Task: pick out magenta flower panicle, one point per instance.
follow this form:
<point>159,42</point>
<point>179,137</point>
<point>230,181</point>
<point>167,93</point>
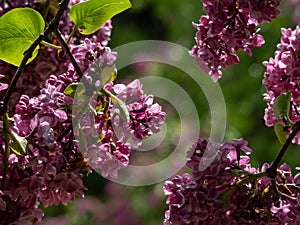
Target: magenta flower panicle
<point>227,27</point>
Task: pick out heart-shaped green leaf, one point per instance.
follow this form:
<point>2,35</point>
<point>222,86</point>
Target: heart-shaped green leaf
<point>18,30</point>
<point>90,16</point>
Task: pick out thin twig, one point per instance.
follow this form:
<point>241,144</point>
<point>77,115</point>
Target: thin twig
<point>7,150</point>
<point>272,171</point>
<point>251,177</point>
<point>66,131</point>
<point>66,49</point>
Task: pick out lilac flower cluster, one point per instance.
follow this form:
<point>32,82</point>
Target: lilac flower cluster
<point>50,174</point>
<point>282,76</point>
<point>146,118</point>
<point>118,136</point>
<point>219,193</point>
<point>229,26</point>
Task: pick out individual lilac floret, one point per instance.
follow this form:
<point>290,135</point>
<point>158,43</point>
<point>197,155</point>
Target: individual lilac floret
<point>146,117</point>
<point>215,194</point>
<point>282,76</point>
<point>228,27</point>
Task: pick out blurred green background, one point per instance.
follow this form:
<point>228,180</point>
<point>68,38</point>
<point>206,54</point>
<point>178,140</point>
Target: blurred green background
<point>112,204</point>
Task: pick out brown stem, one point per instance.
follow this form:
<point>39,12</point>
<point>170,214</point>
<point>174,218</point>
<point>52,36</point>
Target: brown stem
<point>66,49</point>
<point>272,171</point>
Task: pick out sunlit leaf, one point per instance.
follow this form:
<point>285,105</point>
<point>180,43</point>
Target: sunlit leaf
<point>90,16</point>
<point>18,30</point>
<point>73,88</point>
<point>108,74</point>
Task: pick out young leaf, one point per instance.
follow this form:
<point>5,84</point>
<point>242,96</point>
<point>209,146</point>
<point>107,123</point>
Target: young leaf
<point>280,133</point>
<point>72,88</point>
<point>89,16</point>
<point>108,74</point>
<point>19,144</point>
<point>282,105</point>
<point>18,30</point>
<point>121,109</point>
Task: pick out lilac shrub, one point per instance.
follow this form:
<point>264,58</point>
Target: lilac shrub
<point>64,119</point>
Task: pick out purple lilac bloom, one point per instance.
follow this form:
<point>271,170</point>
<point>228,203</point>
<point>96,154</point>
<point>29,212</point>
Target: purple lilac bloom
<point>212,195</point>
<point>117,135</point>
<point>228,27</point>
<point>146,117</point>
<point>282,76</point>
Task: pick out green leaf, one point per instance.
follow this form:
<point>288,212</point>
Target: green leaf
<point>72,88</point>
<point>280,133</point>
<point>18,30</point>
<point>90,16</point>
<point>121,109</point>
<point>101,136</point>
<point>108,74</point>
<point>19,144</point>
<point>282,105</point>
<point>99,107</point>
